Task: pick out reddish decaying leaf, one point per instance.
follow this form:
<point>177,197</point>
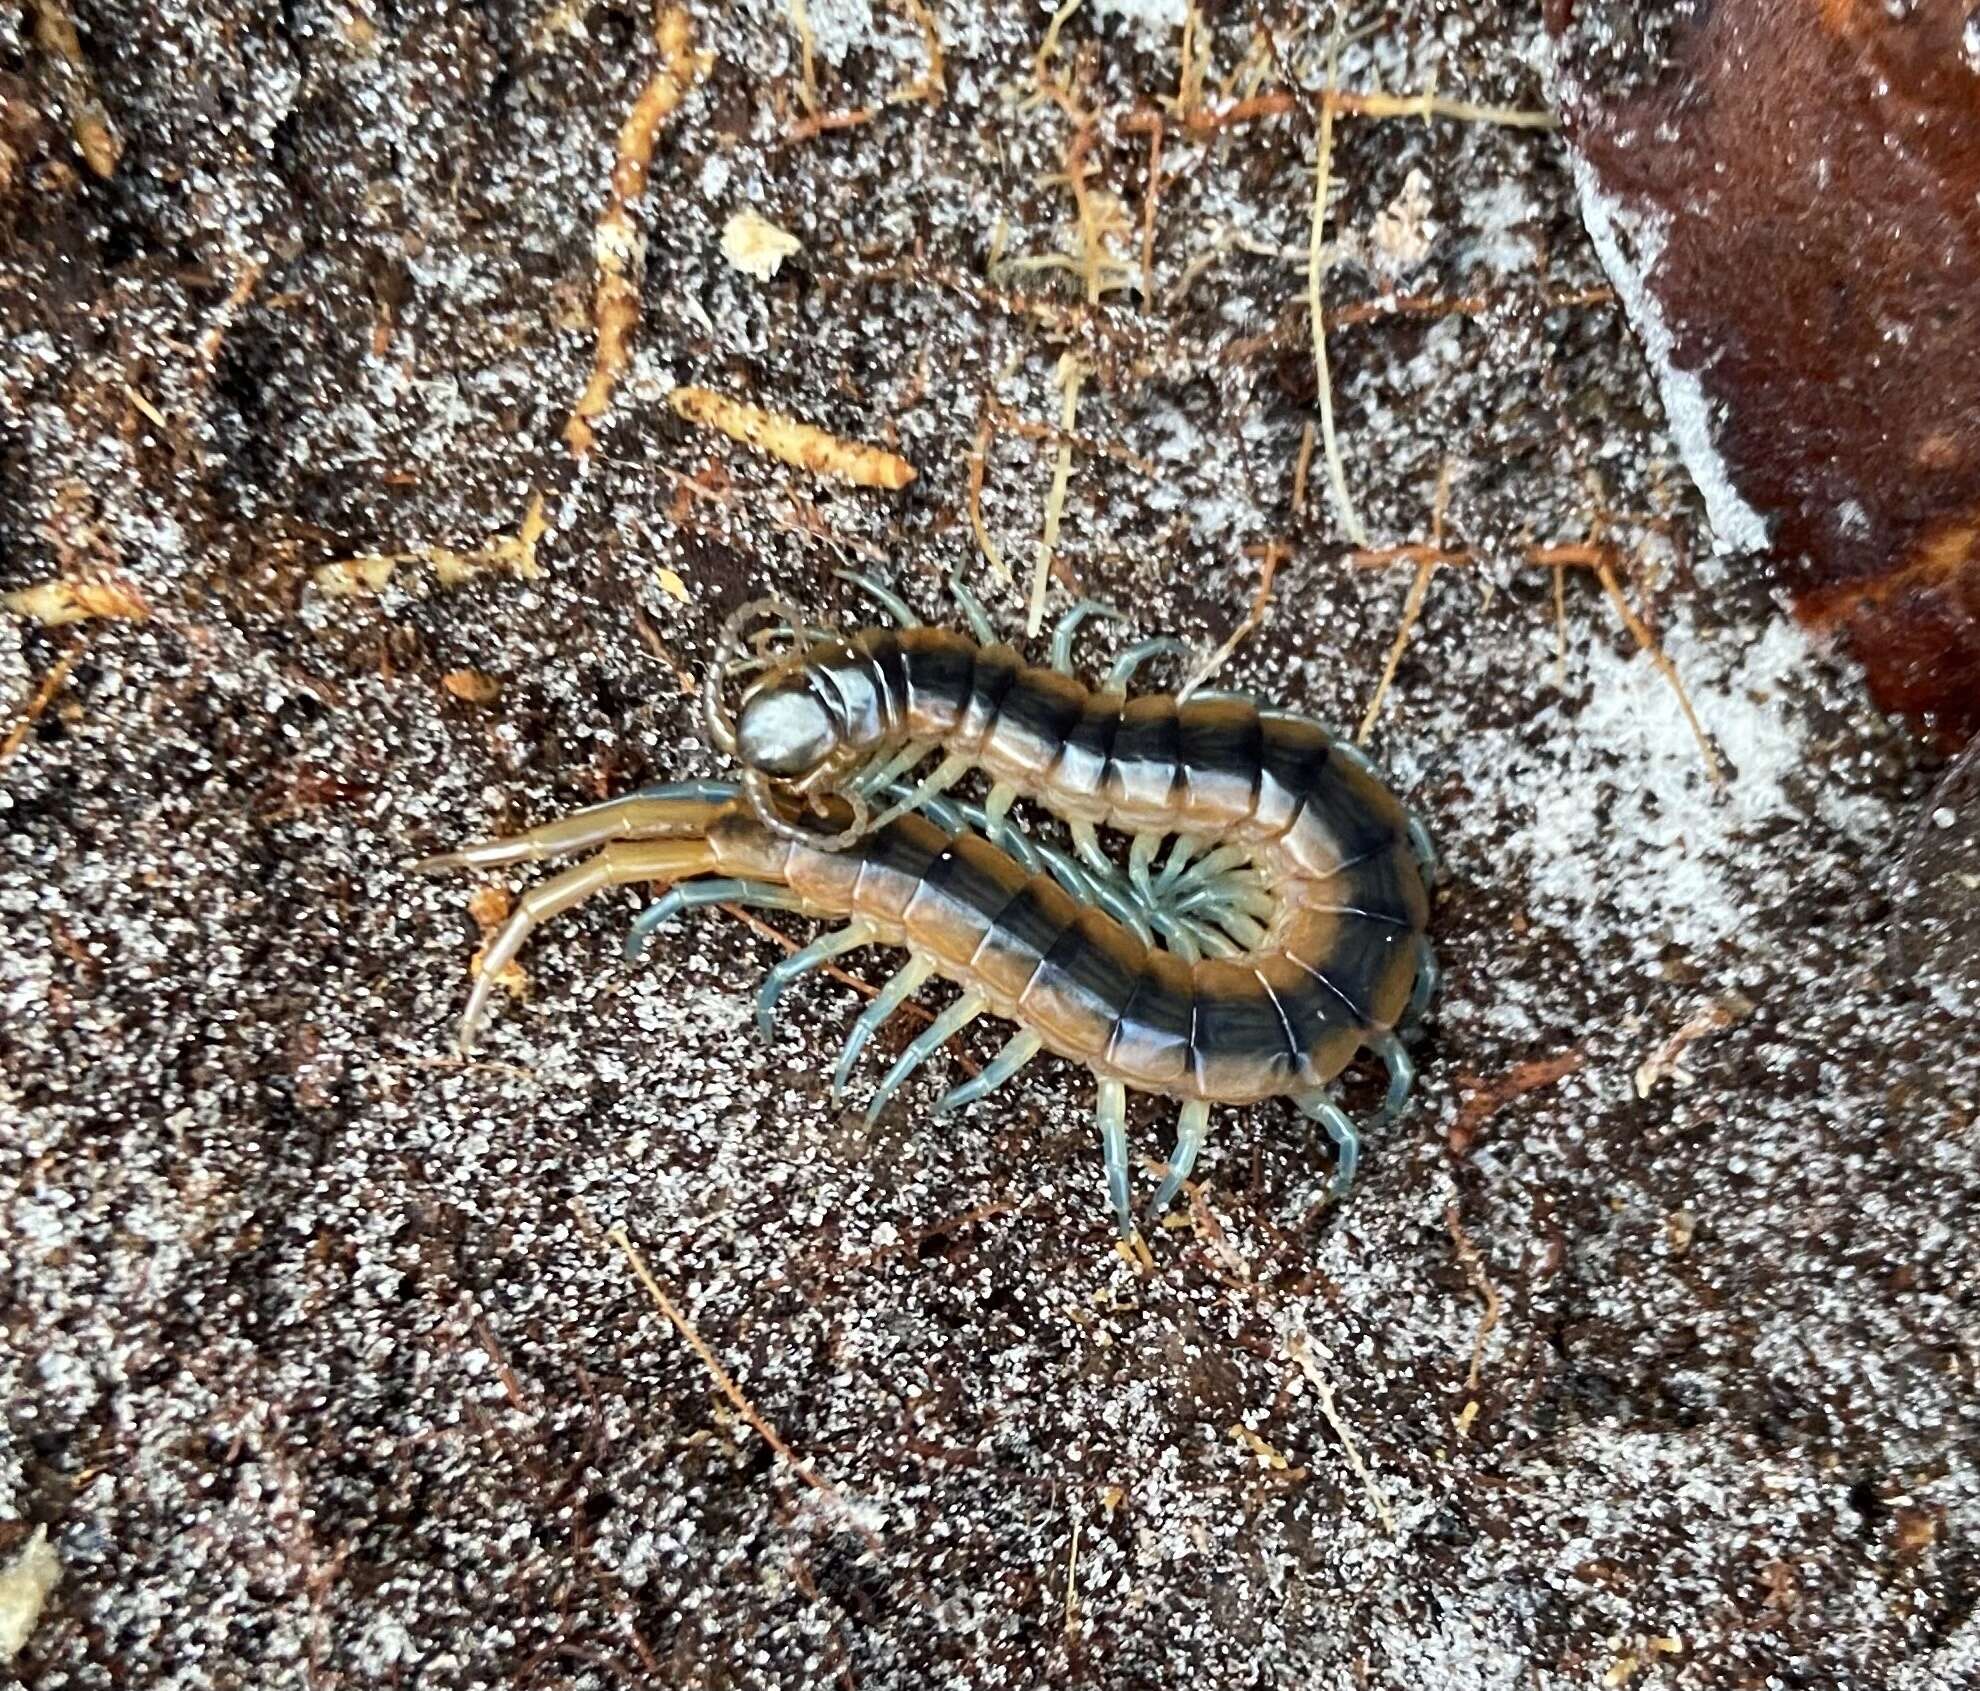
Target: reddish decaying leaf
<point>1789,194</point>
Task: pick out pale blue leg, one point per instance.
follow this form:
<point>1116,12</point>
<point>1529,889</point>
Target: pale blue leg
<point>1135,656</point>
<point>1020,1049</point>
<point>1317,1106</point>
<point>1429,973</point>
<point>888,600</point>
<point>996,806</point>
<point>924,1045</point>
<point>821,950</point>
<point>1192,1128</point>
<point>1211,867</point>
<point>878,776</point>
<point>905,984</point>
<point>1425,849</point>
<point>973,612</point>
<point>1186,846</point>
<point>1140,854</point>
<point>1185,939</point>
<point>1402,1077</point>
<point>694,895</point>
<point>1248,932</point>
<point>1111,1112</point>
<point>1062,636</point>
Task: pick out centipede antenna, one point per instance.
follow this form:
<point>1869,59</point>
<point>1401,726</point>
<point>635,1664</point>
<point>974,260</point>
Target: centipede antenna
<point>1124,666</point>
<point>1192,1128</point>
<point>1317,1106</point>
<point>924,1045</point>
<point>1068,626</point>
<point>1018,1051</point>
<point>972,610</point>
<point>885,597</point>
<point>907,981</point>
<point>1402,1077</point>
<point>1110,1110</point>
<point>697,895</point>
<point>821,950</point>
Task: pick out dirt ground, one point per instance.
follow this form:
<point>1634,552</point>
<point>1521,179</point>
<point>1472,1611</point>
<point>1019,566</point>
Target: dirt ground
<point>1643,1353</point>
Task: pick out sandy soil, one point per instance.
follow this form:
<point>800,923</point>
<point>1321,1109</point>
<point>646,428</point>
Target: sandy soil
<point>1644,1352</point>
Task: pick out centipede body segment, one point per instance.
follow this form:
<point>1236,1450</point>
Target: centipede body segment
<point>1266,925</point>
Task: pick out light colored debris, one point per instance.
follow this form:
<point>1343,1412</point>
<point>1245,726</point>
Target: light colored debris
<point>1667,1062</point>
<point>1402,234</point>
<point>1316,270</point>
<point>96,139</point>
<point>1069,376</point>
<point>489,907</point>
<point>931,87</point>
<point>472,685</point>
<point>979,460</point>
<point>797,444</point>
<point>618,247</point>
<point>756,246</point>
<point>25,1583</point>
<point>54,604</point>
<point>1488,1296</point>
<point>372,572</point>
<point>1301,1352</point>
<point>672,585</point>
<point>1266,1454</point>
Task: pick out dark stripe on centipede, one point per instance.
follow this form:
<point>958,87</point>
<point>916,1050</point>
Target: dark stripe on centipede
<point>1356,830</point>
<point>1361,956</point>
<point>1089,747</point>
<point>1043,706</point>
<point>901,853</point>
<point>888,665</point>
<point>967,883</point>
<point>1384,887</point>
<point>938,673</point>
<point>993,671</point>
<point>1218,744</point>
<point>1154,1016</point>
<point>1291,756</point>
<point>1145,746</point>
<point>1089,966</point>
<point>1239,1027</point>
<point>1033,922</point>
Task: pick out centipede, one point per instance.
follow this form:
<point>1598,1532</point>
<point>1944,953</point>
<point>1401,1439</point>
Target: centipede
<point>1260,925</point>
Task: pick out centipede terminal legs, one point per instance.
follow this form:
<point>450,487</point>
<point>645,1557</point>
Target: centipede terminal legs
<point>973,611</point>
<point>1131,659</point>
<point>889,601</point>
<point>1402,1078</point>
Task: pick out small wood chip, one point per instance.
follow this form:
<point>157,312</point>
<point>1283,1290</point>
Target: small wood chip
<point>25,1583</point>
<point>472,685</point>
<point>798,444</point>
<point>756,246</point>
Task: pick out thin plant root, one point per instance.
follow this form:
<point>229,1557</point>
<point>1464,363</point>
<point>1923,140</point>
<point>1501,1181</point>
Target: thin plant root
<point>618,246</point>
<point>1070,376</point>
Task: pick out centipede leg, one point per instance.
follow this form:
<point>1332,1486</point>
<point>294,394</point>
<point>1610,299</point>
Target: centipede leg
<point>1062,636</point>
<point>924,1045</point>
<point>1135,656</point>
<point>906,983</point>
<point>697,895</point>
<point>1402,1077</point>
<point>1111,1112</point>
<point>996,806</point>
<point>1141,853</point>
<point>888,600</point>
<point>973,612</point>
<point>1192,1128</point>
<point>1425,849</point>
<point>821,950</point>
<point>1429,973</point>
<point>1018,1051</point>
<point>1317,1106</point>
<point>617,864</point>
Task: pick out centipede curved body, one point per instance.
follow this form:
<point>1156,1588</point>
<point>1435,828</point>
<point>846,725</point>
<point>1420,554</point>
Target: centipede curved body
<point>1293,866</point>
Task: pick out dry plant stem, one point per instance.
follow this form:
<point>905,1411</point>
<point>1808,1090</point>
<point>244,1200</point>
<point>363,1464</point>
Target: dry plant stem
<point>1482,1101</point>
<point>979,461</point>
<point>1270,556</point>
<point>1474,1267</point>
<point>618,247</point>
<point>1301,465</point>
<point>1309,1365</point>
<point>96,139</point>
<point>1070,376</point>
<point>1412,609</point>
<point>1148,214</point>
<point>44,696</point>
<point>1427,106</point>
<point>1606,574</point>
<point>1323,385</point>
<point>729,1389</point>
<point>798,444</point>
<point>807,58</point>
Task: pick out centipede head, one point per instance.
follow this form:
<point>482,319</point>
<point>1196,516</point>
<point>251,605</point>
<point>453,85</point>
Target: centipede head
<point>788,730</point>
